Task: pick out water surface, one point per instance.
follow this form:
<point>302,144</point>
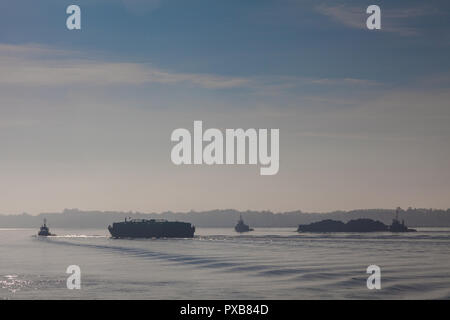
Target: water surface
<point>269,263</point>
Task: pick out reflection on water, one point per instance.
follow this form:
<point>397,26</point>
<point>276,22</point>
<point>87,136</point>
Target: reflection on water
<point>269,263</point>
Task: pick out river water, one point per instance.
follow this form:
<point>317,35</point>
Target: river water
<point>269,263</point>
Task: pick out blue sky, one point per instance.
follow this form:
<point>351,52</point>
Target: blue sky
<point>284,37</point>
<point>86,116</point>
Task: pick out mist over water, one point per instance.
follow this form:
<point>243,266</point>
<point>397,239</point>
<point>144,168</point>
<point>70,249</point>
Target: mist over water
<point>269,263</point>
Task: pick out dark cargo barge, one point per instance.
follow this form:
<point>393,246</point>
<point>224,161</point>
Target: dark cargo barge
<point>142,228</point>
<point>358,225</point>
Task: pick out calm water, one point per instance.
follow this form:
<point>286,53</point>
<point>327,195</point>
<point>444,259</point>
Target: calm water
<point>269,263</point>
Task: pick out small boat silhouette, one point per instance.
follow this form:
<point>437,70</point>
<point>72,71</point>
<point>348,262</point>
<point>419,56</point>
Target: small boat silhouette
<point>241,226</point>
<point>45,231</point>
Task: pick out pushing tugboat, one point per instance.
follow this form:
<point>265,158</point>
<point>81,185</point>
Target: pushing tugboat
<point>142,228</point>
<point>45,231</point>
<point>396,226</point>
<point>241,226</point>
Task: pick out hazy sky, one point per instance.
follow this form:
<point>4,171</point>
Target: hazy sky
<point>86,116</point>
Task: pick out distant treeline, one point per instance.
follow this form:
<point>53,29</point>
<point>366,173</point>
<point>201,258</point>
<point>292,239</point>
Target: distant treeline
<point>74,218</point>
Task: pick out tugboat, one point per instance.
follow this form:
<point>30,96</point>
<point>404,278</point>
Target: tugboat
<point>153,228</point>
<point>396,226</point>
<point>45,231</point>
<point>241,226</point>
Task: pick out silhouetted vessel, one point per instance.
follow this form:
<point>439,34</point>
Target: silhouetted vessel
<point>396,226</point>
<point>45,231</point>
<point>358,225</point>
<point>241,226</point>
<point>142,228</point>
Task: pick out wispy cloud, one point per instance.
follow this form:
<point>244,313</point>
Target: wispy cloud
<point>393,20</point>
<point>344,81</point>
<point>33,65</point>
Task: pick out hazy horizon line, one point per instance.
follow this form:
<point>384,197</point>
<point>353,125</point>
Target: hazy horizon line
<point>68,210</point>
